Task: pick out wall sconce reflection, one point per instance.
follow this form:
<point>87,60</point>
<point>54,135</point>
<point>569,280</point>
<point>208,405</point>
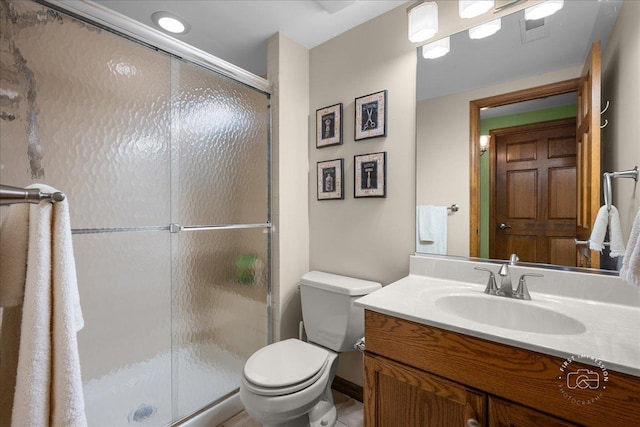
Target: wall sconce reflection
<point>484,143</point>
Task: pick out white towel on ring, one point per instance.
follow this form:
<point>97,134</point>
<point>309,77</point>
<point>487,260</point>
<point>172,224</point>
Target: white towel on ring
<point>616,248</point>
<point>607,219</point>
<point>630,270</point>
<point>599,230</point>
<point>48,387</point>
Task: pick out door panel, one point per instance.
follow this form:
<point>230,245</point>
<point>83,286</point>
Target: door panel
<point>562,193</point>
<point>508,414</point>
<point>534,192</point>
<point>522,194</point>
<point>401,396</point>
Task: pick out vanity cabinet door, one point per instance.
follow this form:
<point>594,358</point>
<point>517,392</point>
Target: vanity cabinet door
<point>508,414</point>
<point>397,395</point>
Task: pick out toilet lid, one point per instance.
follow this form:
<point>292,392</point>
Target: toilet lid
<point>285,363</point>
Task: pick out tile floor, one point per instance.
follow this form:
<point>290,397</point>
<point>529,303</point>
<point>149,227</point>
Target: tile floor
<point>349,414</point>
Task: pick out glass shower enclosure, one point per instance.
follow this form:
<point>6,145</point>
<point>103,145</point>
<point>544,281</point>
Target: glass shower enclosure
<point>166,167</point>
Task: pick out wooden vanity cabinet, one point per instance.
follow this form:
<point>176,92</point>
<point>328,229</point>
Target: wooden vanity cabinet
<point>507,414</point>
<point>405,396</point>
<point>423,376</point>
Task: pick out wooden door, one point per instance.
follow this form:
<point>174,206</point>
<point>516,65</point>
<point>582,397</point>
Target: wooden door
<point>508,414</point>
<point>533,192</point>
<point>397,395</point>
<point>588,156</point>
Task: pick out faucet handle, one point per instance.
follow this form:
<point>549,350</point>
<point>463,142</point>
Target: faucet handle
<point>522,292</point>
<point>491,287</point>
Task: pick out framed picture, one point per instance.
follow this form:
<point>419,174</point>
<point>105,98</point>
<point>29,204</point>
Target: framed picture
<point>330,180</point>
<point>370,175</point>
<point>329,126</point>
<point>371,116</point>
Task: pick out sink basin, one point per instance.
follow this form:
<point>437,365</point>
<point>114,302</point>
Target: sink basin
<point>510,314</point>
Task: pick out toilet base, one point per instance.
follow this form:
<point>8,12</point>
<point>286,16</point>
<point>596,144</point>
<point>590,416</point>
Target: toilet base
<point>324,414</point>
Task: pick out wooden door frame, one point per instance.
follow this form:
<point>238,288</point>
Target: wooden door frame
<point>544,91</point>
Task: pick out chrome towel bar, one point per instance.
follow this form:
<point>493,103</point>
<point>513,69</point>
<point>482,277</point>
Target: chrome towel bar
<point>10,195</point>
<point>633,173</point>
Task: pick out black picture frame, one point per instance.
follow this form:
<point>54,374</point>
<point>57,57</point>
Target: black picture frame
<point>329,126</point>
<point>370,175</point>
<point>371,116</point>
<point>330,179</point>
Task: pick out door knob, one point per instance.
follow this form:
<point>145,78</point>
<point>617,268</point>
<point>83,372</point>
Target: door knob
<point>503,226</point>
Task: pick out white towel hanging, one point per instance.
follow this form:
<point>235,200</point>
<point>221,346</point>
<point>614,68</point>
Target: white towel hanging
<point>630,270</point>
<point>48,385</point>
<point>431,230</point>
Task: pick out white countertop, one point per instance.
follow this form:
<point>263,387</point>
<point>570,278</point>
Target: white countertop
<point>612,333</point>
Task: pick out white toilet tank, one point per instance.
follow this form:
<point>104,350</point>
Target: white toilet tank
<point>330,318</point>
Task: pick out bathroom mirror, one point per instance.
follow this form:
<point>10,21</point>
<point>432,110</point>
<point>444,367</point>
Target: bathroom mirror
<point>521,55</point>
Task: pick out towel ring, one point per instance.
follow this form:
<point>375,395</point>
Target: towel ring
<point>632,173</point>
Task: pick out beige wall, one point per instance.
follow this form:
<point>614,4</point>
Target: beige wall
<point>621,137</point>
<point>288,69</point>
<point>365,238</point>
<point>442,151</point>
<point>369,238</point>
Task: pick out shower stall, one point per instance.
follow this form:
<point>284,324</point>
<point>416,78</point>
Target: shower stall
<point>166,166</point>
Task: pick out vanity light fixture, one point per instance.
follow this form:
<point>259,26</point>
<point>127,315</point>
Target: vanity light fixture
<point>170,22</point>
<point>473,8</point>
<point>485,30</point>
<point>484,143</point>
<point>436,49</point>
<point>542,10</point>
<point>423,20</point>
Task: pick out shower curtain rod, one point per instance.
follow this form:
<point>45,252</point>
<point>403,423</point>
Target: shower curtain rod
<point>10,195</point>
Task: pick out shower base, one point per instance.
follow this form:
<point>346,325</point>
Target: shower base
<point>143,393</point>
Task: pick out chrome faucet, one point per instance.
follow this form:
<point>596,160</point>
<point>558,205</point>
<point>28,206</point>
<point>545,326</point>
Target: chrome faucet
<point>491,288</point>
<point>506,289</point>
<point>522,292</point>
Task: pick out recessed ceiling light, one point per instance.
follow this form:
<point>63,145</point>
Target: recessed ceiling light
<point>170,22</point>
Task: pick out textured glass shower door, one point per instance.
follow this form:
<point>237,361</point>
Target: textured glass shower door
<point>140,142</point>
<point>220,244</point>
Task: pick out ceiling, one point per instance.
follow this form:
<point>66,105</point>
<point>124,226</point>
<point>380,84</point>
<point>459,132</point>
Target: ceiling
<point>237,30</point>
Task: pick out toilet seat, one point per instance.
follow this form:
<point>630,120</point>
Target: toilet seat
<point>284,367</point>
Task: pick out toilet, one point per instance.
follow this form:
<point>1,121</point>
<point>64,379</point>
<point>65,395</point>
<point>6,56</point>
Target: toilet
<point>288,383</point>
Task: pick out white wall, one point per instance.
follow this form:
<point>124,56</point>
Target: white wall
<point>288,69</point>
<point>621,86</point>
